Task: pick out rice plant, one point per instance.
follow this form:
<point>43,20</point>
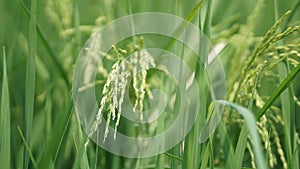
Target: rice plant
<point>258,43</point>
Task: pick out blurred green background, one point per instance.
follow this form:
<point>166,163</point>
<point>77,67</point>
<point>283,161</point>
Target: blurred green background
<point>63,27</point>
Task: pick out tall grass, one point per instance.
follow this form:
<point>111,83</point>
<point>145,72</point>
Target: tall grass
<point>5,124</point>
<point>39,127</point>
<point>30,80</point>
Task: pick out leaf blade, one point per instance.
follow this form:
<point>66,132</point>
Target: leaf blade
<point>30,80</point>
<point>283,85</point>
<point>5,120</point>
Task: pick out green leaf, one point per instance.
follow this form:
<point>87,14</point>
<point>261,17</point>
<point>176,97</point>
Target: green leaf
<point>283,85</point>
<point>288,109</point>
<point>43,37</point>
<point>28,149</point>
<point>242,140</point>
<point>241,145</point>
<point>81,142</point>
<point>30,80</point>
<point>205,158</point>
<point>5,120</point>
<point>227,146</point>
<point>251,125</point>
<point>54,141</point>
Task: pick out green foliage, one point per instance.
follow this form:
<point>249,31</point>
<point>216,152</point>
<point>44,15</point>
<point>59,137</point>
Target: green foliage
<point>28,151</point>
<point>282,86</point>
<point>261,58</point>
<point>30,79</point>
<point>5,117</point>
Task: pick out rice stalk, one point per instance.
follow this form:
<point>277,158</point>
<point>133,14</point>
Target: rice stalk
<point>282,86</point>
<point>254,136</point>
<point>5,118</point>
<point>30,80</point>
<point>27,148</point>
<point>46,42</point>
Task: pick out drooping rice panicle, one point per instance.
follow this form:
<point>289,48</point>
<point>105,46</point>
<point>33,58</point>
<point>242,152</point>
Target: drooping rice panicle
<point>142,61</point>
<point>112,95</point>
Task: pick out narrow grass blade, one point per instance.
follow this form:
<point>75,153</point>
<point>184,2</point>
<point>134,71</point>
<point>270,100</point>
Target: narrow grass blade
<point>5,120</point>
<point>81,160</point>
<point>54,141</point>
<point>30,80</point>
<point>131,22</point>
<point>288,109</point>
<point>192,149</point>
<point>194,11</point>
<point>207,22</point>
<point>294,11</point>
<point>212,159</point>
<point>42,35</point>
<point>283,85</point>
<point>188,19</point>
<point>160,159</point>
<point>241,145</point>
<point>242,140</point>
<point>96,156</point>
<point>205,157</point>
<point>287,101</point>
<point>227,146</point>
<point>251,125</point>
<point>173,156</point>
<point>28,149</point>
<point>188,160</point>
<point>77,25</point>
